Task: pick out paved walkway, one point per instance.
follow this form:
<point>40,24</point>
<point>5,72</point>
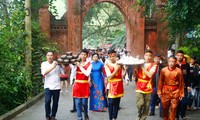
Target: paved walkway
<point>128,111</point>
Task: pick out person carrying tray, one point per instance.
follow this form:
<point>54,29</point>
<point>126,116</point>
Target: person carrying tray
<point>144,74</point>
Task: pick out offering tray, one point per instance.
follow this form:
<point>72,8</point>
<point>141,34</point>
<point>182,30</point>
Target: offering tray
<point>131,61</point>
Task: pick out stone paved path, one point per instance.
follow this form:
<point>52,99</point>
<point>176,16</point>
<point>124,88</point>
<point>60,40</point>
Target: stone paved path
<point>128,111</point>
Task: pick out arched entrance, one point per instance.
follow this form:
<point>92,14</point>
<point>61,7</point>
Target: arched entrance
<point>140,30</point>
<point>133,19</point>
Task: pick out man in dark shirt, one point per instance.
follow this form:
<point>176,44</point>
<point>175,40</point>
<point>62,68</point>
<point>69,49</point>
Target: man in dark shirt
<point>182,107</point>
<point>154,96</point>
<point>194,71</point>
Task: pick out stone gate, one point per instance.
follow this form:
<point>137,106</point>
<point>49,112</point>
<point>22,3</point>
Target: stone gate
<point>140,30</point>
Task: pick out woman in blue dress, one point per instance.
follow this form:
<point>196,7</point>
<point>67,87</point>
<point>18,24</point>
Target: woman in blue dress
<point>98,101</point>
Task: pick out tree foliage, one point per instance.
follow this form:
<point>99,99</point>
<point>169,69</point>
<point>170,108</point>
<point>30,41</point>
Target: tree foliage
<point>183,15</point>
<point>13,82</point>
<point>191,44</point>
<point>148,4</point>
<point>36,4</point>
<point>103,24</point>
<point>183,18</point>
<point>14,86</point>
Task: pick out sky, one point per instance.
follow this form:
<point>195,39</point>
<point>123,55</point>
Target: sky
<point>61,7</point>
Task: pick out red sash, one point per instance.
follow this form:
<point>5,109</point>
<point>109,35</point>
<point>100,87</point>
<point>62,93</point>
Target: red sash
<point>81,86</point>
<point>144,83</point>
<point>116,84</point>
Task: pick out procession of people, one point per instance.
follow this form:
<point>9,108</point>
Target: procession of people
<point>97,82</point>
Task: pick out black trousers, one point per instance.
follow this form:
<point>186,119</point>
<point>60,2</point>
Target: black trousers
<point>182,106</point>
<point>113,107</point>
<point>130,72</point>
<point>74,106</point>
<point>49,94</point>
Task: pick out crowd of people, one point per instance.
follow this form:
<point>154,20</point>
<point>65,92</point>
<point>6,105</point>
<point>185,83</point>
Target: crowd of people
<point>173,86</point>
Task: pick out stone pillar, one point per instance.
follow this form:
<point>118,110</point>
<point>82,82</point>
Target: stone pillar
<point>74,26</point>
<point>44,20</point>
<point>135,34</point>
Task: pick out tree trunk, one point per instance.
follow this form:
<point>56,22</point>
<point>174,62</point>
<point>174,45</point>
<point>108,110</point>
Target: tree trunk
<point>177,41</point>
<point>28,55</point>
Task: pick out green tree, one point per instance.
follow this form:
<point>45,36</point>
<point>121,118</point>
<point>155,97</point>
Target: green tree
<point>13,82</point>
<point>37,4</point>
<point>103,24</point>
<point>14,86</point>
<point>183,17</point>
<point>191,44</point>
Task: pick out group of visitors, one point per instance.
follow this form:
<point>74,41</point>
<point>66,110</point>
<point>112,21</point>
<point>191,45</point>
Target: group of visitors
<point>177,87</point>
<point>98,76</point>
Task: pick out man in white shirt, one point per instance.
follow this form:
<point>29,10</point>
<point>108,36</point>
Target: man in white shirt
<point>51,73</point>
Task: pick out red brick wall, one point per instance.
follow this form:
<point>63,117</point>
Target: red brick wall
<point>44,20</point>
<point>61,38</point>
